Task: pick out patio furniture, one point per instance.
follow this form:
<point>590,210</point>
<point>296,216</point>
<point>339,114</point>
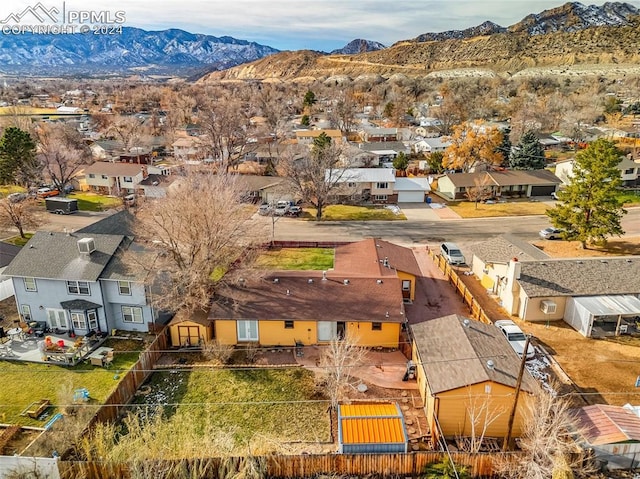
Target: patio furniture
<point>101,357</point>
<point>14,333</point>
<point>36,408</point>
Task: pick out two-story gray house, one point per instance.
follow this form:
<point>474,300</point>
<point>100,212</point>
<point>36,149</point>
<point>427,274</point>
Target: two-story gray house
<point>82,282</point>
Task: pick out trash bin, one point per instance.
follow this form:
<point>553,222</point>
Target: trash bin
<point>428,200</point>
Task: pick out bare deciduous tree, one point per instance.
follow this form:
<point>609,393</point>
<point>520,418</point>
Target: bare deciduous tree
<point>546,443</point>
<point>203,230</point>
<point>314,174</point>
<point>481,190</point>
<point>481,413</point>
<point>338,361</point>
<point>18,215</point>
<point>62,153</point>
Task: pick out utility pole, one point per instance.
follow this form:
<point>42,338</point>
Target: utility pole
<point>507,439</point>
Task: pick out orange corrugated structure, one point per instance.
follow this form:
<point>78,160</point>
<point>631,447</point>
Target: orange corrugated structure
<point>371,427</point>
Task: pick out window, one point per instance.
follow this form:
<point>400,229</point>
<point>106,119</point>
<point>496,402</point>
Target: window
<point>288,325</point>
<point>92,317</point>
<point>131,314</point>
<point>629,171</point>
<point>105,177</point>
<point>382,185</point>
<point>351,184</point>
<point>78,321</point>
<point>376,326</point>
<point>78,287</point>
<point>30,284</point>
<point>406,285</point>
<point>92,175</point>
<point>57,318</point>
<point>25,311</point>
<point>380,197</point>
<point>124,288</point>
<point>127,179</point>
<point>247,330</point>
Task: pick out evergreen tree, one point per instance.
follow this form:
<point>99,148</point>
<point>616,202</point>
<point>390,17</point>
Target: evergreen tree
<point>505,147</point>
<point>528,154</point>
<point>309,99</point>
<point>589,209</point>
<point>18,162</point>
<point>401,162</point>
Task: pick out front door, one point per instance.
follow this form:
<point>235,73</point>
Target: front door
<point>188,335</point>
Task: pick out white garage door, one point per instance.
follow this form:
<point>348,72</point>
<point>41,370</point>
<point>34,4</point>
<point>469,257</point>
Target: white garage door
<point>410,196</point>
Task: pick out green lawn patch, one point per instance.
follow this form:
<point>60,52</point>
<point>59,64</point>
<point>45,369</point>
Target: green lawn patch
<point>24,383</point>
<point>354,213</point>
<point>297,258</point>
<point>95,202</point>
<point>249,403</point>
<point>629,198</point>
<point>19,240</point>
<point>6,190</point>
<point>467,209</point>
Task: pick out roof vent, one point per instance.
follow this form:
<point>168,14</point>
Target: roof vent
<point>386,262</point>
<point>629,260</point>
<point>466,323</point>
<point>288,293</point>
<point>578,262</point>
<point>86,245</point>
<point>603,261</point>
<point>310,280</point>
<point>386,315</point>
<point>276,280</point>
<point>324,276</point>
<point>345,281</point>
<point>379,281</point>
<point>491,365</point>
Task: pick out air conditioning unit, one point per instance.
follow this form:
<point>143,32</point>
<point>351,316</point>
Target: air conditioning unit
<point>86,245</point>
<point>548,307</point>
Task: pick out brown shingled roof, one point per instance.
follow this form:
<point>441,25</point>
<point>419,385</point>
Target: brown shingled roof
<point>603,424</point>
<point>327,300</point>
<point>366,258</point>
<point>455,355</point>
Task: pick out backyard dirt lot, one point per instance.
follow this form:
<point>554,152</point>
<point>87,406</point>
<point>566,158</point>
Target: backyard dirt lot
<point>603,371</point>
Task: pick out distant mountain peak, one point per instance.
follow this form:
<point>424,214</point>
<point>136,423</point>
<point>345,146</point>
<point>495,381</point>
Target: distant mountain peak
<point>171,51</point>
<point>359,45</point>
<point>485,28</point>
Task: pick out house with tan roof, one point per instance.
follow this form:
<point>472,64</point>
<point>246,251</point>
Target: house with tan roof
<point>306,137</point>
<point>505,184</point>
<point>363,297</point>
<point>596,296</point>
<point>467,373</point>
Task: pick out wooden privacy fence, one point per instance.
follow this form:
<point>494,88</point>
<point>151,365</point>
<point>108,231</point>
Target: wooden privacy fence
<point>476,311</point>
<point>289,467</point>
<point>131,381</point>
<point>306,244</point>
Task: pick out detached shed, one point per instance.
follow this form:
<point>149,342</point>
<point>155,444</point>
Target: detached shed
<point>190,329</point>
<point>371,428</point>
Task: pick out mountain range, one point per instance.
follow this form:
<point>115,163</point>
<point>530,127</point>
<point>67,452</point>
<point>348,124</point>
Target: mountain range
<point>572,34</point>
<point>561,39</point>
<point>173,51</point>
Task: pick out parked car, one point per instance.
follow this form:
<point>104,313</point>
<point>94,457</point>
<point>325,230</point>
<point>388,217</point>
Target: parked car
<point>46,192</point>
<point>515,336</point>
<point>451,252</point>
<point>265,210</point>
<point>551,233</point>
<point>17,197</point>
<point>294,211</point>
<point>281,208</point>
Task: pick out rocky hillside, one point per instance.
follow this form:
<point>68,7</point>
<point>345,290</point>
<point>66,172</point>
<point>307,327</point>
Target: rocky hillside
<point>606,36</point>
<point>359,46</point>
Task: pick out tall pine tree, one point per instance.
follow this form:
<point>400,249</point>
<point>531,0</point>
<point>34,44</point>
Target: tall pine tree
<point>18,163</point>
<point>589,209</point>
<point>528,154</point>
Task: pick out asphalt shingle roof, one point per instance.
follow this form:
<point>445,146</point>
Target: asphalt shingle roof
<point>56,256</point>
<point>581,277</point>
<point>454,355</point>
<point>504,248</point>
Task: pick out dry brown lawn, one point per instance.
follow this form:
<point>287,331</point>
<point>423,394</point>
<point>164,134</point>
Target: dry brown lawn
<point>571,249</point>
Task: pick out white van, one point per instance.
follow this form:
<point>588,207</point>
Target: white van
<point>451,252</point>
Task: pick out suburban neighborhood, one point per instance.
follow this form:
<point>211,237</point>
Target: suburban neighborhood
<point>353,276</point>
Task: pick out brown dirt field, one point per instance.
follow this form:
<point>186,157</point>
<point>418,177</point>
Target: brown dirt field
<point>571,249</point>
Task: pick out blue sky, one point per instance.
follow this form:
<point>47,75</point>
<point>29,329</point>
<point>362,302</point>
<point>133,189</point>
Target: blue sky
<point>317,25</point>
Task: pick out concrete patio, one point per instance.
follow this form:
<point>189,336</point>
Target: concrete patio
<point>64,350</point>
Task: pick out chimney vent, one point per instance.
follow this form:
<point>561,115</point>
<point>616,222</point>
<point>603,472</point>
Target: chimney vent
<point>276,280</point>
<point>288,293</point>
<point>345,282</point>
<point>324,276</point>
<point>310,280</point>
<point>379,281</point>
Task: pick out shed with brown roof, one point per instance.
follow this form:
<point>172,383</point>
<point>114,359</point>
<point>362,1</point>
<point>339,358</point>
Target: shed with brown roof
<point>467,374</point>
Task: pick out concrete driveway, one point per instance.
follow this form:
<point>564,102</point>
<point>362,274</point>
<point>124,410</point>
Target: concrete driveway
<point>418,212</point>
